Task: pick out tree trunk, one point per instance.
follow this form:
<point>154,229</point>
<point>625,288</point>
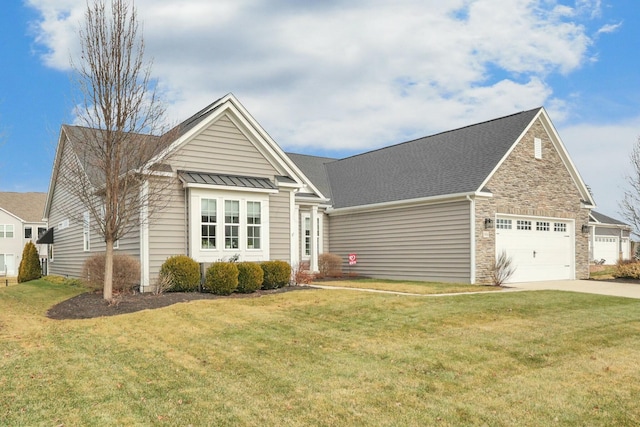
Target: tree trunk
<point>108,271</point>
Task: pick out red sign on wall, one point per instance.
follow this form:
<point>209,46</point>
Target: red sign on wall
<point>353,259</point>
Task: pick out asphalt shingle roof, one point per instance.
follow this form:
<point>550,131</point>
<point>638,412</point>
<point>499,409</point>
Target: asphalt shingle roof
<point>27,206</point>
<point>605,219</point>
<point>314,168</point>
<point>456,161</point>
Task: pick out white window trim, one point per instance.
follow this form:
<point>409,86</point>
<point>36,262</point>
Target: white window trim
<point>220,252</point>
<point>319,239</point>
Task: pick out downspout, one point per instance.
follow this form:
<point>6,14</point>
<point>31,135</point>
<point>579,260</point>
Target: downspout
<point>472,227</point>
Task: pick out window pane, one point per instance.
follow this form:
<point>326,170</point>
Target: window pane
<point>9,230</point>
<point>232,212</point>
<point>208,224</point>
<point>231,239</point>
<point>208,210</point>
<point>27,232</point>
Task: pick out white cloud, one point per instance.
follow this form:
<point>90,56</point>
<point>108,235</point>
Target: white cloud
<point>609,28</point>
<point>350,74</point>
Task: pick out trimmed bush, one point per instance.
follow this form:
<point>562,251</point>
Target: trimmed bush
<point>330,265</point>
<point>29,268</point>
<point>627,270</point>
<point>221,278</point>
<point>180,273</point>
<point>276,274</point>
<point>250,277</point>
<point>126,272</point>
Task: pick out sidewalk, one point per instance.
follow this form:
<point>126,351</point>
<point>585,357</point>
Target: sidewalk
<point>629,290</point>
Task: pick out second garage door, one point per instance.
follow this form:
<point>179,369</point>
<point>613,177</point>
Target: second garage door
<point>541,248</point>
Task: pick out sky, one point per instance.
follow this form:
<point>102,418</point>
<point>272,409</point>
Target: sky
<point>339,77</point>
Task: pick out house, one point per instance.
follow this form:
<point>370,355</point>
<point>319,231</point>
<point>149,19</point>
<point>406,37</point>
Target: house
<point>20,222</point>
<point>608,239</point>
<point>443,207</point>
<point>436,208</point>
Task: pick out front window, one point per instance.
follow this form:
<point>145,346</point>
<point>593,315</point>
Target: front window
<point>41,231</point>
<point>253,225</point>
<point>28,232</point>
<point>208,220</point>
<point>231,224</point>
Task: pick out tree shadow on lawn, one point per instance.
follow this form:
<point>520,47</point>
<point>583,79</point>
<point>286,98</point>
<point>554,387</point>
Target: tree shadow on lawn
<point>91,304</point>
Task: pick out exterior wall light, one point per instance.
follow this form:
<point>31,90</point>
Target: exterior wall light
<point>488,223</point>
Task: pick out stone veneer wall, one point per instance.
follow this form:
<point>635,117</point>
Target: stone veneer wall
<point>524,185</point>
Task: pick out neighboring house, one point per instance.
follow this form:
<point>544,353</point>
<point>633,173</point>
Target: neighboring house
<point>20,222</point>
<point>437,208</point>
<point>609,239</point>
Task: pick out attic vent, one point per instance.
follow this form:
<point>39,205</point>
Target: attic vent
<point>537,148</point>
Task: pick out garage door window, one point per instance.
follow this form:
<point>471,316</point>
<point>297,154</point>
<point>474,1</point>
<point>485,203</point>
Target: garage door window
<point>523,225</point>
<point>503,224</point>
<point>542,226</point>
<point>560,227</point>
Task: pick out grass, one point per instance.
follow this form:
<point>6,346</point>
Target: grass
<point>324,358</point>
<point>602,272</point>
<point>422,288</point>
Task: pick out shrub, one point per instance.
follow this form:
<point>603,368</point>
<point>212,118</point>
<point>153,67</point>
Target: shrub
<point>276,274</point>
<point>250,277</point>
<point>301,275</point>
<point>502,269</point>
<point>126,272</point>
<point>330,265</point>
<point>628,269</point>
<point>179,273</point>
<point>221,278</point>
<point>29,268</point>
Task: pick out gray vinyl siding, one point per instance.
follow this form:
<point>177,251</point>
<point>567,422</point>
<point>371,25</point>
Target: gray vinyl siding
<point>428,242</point>
<point>68,251</point>
<point>222,148</point>
<point>280,226</point>
<point>325,232</point>
<point>168,232</point>
<point>607,231</point>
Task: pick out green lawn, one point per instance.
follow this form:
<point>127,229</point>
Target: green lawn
<point>325,358</point>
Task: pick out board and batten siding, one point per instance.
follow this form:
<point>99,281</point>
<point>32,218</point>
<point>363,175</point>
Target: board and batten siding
<point>221,148</point>
<point>426,242</point>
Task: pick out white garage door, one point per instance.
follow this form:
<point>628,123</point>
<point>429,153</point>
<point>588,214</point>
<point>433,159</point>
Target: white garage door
<point>606,247</point>
<point>541,248</point>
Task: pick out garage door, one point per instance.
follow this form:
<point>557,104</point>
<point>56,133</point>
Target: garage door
<point>606,247</point>
<point>541,248</point>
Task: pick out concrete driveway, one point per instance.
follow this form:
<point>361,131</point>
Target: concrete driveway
<point>629,290</point>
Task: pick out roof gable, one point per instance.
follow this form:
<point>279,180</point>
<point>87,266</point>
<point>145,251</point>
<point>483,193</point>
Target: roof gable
<point>560,149</point>
<point>229,107</point>
<point>453,162</point>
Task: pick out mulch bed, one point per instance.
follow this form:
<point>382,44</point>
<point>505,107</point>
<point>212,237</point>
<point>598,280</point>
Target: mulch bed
<point>91,304</point>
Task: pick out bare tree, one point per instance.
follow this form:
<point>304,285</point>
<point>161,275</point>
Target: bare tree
<point>630,205</point>
<point>121,120</point>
